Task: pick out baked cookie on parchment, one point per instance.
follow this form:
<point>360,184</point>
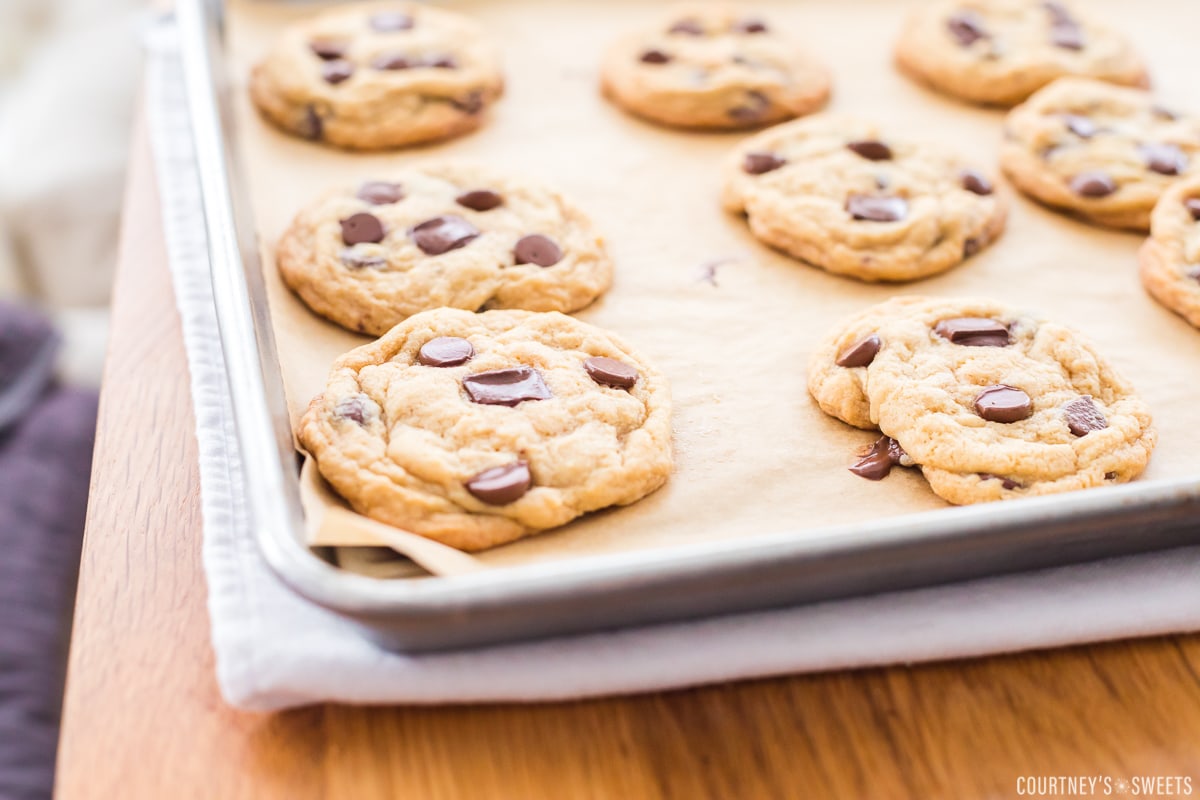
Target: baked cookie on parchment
<point>1103,152</point>
<point>989,402</point>
<point>844,195</point>
<point>479,429</point>
<point>713,66</point>
<point>371,76</point>
<point>1169,261</point>
<point>998,52</point>
<point>442,234</point>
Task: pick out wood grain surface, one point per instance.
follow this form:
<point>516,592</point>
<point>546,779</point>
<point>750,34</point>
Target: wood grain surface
<point>143,719</point>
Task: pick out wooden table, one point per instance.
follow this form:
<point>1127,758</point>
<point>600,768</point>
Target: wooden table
<point>143,718</point>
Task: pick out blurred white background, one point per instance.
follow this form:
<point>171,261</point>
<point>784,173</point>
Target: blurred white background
<point>68,78</point>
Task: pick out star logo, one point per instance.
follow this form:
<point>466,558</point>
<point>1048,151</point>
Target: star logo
<point>1121,786</point>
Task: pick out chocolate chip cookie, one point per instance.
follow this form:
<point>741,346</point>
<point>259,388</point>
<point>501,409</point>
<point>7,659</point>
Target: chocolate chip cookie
<point>998,52</point>
<point>478,429</point>
<point>1100,151</point>
<point>1169,261</point>
<point>843,195</point>
<point>991,403</point>
<point>371,77</point>
<point>713,66</point>
<point>448,234</point>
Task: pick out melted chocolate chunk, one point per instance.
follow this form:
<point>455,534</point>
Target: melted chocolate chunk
<point>871,149</point>
<point>687,27</point>
<point>966,27</point>
<point>1079,125</point>
<point>393,61</point>
<point>1192,204</point>
<point>311,127</point>
<point>386,21</point>
<point>500,486</point>
<point>1093,184</point>
<point>749,25</point>
<point>971,247</point>
<point>1003,403</point>
<point>974,332</point>
<point>537,249</point>
<point>360,228</point>
<point>876,463</point>
<point>355,260</point>
<point>1008,483</point>
<point>877,208</point>
<point>439,62</point>
<point>975,182</point>
<point>471,104</point>
<point>479,199</point>
<point>758,163</point>
<point>506,387</point>
<point>1083,417</point>
<point>336,71</point>
<point>655,56</point>
<point>357,408</point>
<point>861,353</point>
<point>380,193</point>
<point>1067,36</point>
<point>445,351</point>
<point>443,234</point>
<point>611,372</point>
<point>1163,158</point>
<point>328,50</point>
<point>754,107</point>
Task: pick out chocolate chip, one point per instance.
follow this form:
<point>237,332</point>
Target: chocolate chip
<point>311,127</point>
<point>440,62</point>
<point>357,408</point>
<point>386,21</point>
<point>500,486</point>
<point>861,353</point>
<point>974,332</point>
<point>393,61</point>
<point>479,200</point>
<point>1163,158</point>
<point>1083,417</point>
<point>1192,204</point>
<point>1093,184</point>
<point>1007,483</point>
<point>975,182</point>
<point>506,387</point>
<point>1003,403</point>
<point>754,107</point>
<point>443,234</point>
<point>966,27</point>
<point>871,149</point>
<point>749,25</point>
<point>971,246</point>
<point>1110,476</point>
<point>328,50</point>
<point>537,249</point>
<point>362,227</point>
<point>877,208</point>
<point>334,72</point>
<point>655,57</point>
<point>445,351</point>
<point>876,463</point>
<point>610,372</point>
<point>380,193</point>
<point>687,27</point>
<point>1068,36</point>
<point>356,260</point>
<point>1079,125</point>
<point>758,163</point>
<point>471,104</point>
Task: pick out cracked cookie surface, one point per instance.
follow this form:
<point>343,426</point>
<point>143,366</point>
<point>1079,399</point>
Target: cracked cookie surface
<point>371,77</point>
<point>1169,261</point>
<point>1103,152</point>
<point>841,194</point>
<point>998,52</point>
<point>991,403</point>
<point>713,66</point>
<point>448,234</point>
<point>479,429</point>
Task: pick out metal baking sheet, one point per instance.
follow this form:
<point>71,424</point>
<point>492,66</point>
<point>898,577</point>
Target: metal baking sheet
<point>778,552</point>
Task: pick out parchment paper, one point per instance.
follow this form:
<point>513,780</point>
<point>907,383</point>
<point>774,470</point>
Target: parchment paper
<point>754,453</point>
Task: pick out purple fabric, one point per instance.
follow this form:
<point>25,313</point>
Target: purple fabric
<point>45,461</point>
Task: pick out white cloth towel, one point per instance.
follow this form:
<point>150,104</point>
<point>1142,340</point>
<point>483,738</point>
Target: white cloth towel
<point>275,650</point>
